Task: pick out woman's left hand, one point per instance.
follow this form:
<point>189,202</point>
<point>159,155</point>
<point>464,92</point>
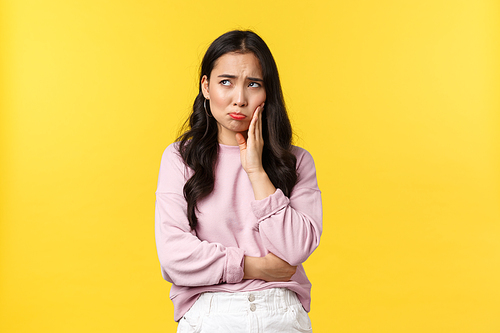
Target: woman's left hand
<point>251,148</point>
<point>251,157</point>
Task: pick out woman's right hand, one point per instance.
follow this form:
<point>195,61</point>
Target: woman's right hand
<point>268,268</point>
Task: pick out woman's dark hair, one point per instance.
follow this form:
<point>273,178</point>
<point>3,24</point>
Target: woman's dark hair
<point>199,144</point>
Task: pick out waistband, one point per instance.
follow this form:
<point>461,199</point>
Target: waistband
<point>275,300</point>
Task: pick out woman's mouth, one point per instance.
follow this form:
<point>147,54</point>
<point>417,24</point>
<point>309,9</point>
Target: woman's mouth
<point>237,116</point>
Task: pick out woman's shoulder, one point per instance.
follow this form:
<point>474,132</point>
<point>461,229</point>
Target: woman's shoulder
<point>173,171</point>
<point>171,155</point>
<point>298,150</point>
<point>305,168</point>
<point>302,155</point>
<point>172,150</point>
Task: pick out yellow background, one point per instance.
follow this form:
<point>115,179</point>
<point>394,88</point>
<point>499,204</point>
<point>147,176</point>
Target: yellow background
<point>398,102</point>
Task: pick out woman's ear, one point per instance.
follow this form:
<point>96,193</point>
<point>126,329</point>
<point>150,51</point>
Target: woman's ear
<point>204,87</point>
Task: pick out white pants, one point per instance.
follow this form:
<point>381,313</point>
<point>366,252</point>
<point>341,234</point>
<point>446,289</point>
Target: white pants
<point>269,311</point>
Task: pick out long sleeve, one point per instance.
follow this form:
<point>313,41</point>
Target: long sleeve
<point>291,227</point>
<point>185,259</point>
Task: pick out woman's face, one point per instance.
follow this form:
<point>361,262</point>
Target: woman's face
<point>235,90</point>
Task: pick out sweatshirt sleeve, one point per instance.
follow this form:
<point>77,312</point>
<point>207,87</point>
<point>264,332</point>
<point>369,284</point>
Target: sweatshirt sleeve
<point>186,260</point>
<point>291,227</point>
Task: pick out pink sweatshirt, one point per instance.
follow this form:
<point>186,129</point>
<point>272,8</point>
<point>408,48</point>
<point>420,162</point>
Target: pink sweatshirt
<point>232,224</point>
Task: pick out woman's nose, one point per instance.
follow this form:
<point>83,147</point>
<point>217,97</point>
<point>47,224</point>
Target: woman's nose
<point>240,97</point>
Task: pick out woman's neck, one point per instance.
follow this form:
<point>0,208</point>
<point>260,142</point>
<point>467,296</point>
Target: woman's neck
<point>229,139</point>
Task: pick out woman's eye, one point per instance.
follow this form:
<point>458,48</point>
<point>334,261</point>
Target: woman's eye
<point>225,82</point>
<point>254,85</point>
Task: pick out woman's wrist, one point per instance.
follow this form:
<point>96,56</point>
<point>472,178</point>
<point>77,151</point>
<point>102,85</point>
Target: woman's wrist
<point>251,268</point>
<point>261,184</point>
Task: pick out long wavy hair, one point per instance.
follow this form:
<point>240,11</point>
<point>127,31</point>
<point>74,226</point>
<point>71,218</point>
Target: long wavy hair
<point>199,144</point>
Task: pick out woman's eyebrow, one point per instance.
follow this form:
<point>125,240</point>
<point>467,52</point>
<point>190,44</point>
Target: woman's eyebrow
<point>255,79</point>
<point>229,76</point>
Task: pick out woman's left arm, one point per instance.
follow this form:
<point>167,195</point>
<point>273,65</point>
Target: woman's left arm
<point>291,227</point>
<point>251,157</point>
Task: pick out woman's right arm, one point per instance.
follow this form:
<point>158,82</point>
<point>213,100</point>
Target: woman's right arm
<point>186,260</point>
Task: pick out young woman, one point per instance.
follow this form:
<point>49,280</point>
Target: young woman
<point>238,209</point>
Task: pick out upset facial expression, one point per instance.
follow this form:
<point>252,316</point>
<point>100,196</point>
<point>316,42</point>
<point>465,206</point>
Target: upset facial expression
<point>234,91</point>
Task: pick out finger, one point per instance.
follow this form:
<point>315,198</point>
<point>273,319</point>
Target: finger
<point>258,132</point>
<point>258,128</point>
<point>251,128</point>
<point>241,141</point>
<point>258,117</point>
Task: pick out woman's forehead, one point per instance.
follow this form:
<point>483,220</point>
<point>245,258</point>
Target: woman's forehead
<point>236,62</point>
